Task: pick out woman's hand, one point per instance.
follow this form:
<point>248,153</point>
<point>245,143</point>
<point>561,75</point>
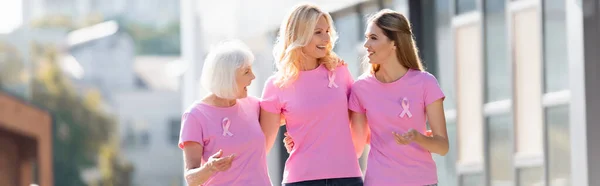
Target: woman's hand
<point>437,141</point>
<point>411,136</point>
<point>288,142</point>
<point>216,163</point>
<point>341,62</point>
<point>197,173</point>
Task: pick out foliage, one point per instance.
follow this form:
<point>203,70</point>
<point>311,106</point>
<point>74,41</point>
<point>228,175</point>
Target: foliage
<point>81,130</point>
<point>149,40</point>
<point>66,22</point>
<point>53,21</point>
<point>155,41</point>
<point>12,68</point>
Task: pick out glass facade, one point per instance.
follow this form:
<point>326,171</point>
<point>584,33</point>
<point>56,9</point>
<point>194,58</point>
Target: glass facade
<point>497,65</point>
<point>530,176</point>
<point>559,145</point>
<point>349,46</point>
<point>463,6</point>
<point>556,66</point>
<point>512,81</point>
<point>500,149</point>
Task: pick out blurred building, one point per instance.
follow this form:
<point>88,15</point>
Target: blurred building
<point>142,91</point>
<point>25,130</point>
<point>102,56</point>
<point>151,12</point>
<point>149,122</point>
<point>520,77</point>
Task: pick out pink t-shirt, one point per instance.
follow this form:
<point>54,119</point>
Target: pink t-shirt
<point>390,163</point>
<point>234,130</point>
<point>316,112</point>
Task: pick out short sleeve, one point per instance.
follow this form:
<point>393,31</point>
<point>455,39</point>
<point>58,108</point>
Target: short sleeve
<point>432,91</point>
<point>270,101</point>
<point>191,130</point>
<point>349,80</point>
<point>354,103</point>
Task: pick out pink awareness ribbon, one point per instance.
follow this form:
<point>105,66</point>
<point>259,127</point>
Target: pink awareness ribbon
<point>405,107</point>
<point>331,78</point>
<point>226,123</point>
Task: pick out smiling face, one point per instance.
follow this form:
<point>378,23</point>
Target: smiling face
<point>379,47</point>
<point>317,47</point>
<point>243,79</point>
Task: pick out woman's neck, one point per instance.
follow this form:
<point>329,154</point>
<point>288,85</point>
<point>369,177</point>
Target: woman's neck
<point>308,63</point>
<point>390,71</point>
<point>220,102</point>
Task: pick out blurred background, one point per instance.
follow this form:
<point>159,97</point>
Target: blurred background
<point>91,91</point>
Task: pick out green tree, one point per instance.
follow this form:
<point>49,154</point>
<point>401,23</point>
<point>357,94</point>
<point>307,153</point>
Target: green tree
<point>12,69</point>
<point>151,40</point>
<point>53,21</point>
<point>81,130</point>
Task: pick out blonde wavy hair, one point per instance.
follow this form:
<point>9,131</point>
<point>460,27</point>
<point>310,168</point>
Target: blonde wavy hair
<point>296,32</point>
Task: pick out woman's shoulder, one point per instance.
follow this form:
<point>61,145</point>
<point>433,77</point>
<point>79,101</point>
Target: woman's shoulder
<point>195,110</point>
<point>250,100</point>
<point>364,78</point>
<point>424,76</point>
<point>272,80</point>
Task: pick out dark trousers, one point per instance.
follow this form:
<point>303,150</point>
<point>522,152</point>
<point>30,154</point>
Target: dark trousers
<point>355,181</point>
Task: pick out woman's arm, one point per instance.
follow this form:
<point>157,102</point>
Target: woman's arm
<point>197,173</point>
<point>360,131</point>
<point>438,143</point>
<point>269,123</point>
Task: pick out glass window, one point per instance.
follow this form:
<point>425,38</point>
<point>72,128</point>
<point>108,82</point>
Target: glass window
<point>469,86</point>
<point>349,32</point>
<point>129,140</point>
<point>145,138</point>
<point>555,46</point>
<point>527,53</point>
<point>445,57</point>
<point>463,6</point>
<point>559,145</point>
<point>475,179</point>
<point>500,149</point>
<point>531,176</point>
<point>175,126</point>
<point>425,36</point>
<point>446,166</point>
<point>390,4</point>
<point>498,75</point>
<point>367,9</point>
<point>397,5</point>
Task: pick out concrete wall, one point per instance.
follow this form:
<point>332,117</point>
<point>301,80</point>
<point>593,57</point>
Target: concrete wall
<point>158,161</point>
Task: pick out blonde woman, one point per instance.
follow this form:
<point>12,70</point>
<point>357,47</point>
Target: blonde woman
<point>309,92</point>
<point>221,138</point>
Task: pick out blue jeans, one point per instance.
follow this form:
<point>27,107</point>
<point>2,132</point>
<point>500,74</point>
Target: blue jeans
<point>354,181</point>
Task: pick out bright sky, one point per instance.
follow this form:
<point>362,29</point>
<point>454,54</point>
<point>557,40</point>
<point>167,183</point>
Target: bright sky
<point>10,15</point>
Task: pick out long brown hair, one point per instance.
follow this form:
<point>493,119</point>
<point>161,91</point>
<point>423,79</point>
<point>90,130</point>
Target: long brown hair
<point>398,29</point>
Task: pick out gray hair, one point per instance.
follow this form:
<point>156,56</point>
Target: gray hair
<point>220,66</point>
